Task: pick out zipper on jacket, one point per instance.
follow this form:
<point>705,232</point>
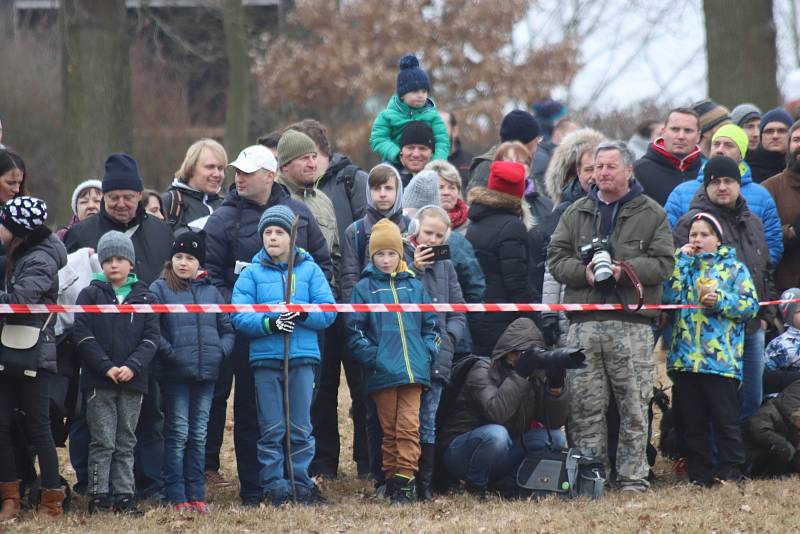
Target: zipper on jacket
<point>199,339</point>
<point>402,331</point>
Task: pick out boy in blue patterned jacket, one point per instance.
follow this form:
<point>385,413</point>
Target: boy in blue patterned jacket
<point>264,282</point>
<point>396,351</point>
<point>782,355</point>
<point>705,357</point>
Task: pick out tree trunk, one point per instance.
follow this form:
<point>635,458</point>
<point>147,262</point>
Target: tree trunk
<point>237,101</point>
<point>741,52</point>
<point>97,89</point>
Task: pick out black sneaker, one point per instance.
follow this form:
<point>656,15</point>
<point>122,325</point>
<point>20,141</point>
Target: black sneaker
<point>312,497</point>
<point>99,503</point>
<point>404,490</point>
<point>125,504</point>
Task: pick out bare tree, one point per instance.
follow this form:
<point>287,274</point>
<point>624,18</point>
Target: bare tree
<point>237,103</point>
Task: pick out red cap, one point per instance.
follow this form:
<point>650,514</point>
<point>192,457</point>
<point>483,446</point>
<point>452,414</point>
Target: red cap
<point>507,177</point>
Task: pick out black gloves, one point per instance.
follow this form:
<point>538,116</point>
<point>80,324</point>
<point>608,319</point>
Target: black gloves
<point>550,329</point>
<point>284,323</point>
<point>555,377</point>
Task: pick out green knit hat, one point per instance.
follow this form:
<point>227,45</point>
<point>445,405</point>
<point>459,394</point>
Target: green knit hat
<point>294,144</point>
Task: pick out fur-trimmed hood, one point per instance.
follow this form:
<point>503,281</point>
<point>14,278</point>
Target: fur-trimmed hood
<point>480,195</point>
<point>566,157</point>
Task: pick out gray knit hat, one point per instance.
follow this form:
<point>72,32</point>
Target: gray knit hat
<point>422,190</point>
<point>294,144</point>
<point>788,309</point>
<point>115,244</point>
<point>83,186</point>
<point>279,215</point>
<point>745,112</point>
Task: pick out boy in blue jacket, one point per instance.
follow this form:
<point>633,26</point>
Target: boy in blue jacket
<point>396,351</point>
<point>264,282</point>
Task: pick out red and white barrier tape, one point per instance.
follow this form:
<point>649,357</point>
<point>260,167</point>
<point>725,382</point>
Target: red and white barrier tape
<point>344,308</point>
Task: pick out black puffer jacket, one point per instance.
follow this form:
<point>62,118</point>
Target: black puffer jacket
<point>232,235</point>
<point>152,241</point>
<point>494,394</point>
<point>765,164</point>
<point>743,231</point>
<point>194,205</point>
<point>35,281</point>
<point>346,185</point>
<point>771,430</point>
<point>106,340</point>
<point>498,235</point>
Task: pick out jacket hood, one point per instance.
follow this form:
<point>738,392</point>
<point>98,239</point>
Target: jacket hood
<point>658,152</point>
<point>262,258</point>
<point>744,168</point>
<point>483,196</point>
<point>337,164</point>
<point>398,201</point>
<point>566,158</point>
<point>522,334</point>
<point>177,184</point>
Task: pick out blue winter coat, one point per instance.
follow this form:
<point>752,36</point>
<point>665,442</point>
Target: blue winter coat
<point>395,349</point>
<point>192,345</point>
<point>264,282</point>
<point>710,341</point>
<point>758,200</point>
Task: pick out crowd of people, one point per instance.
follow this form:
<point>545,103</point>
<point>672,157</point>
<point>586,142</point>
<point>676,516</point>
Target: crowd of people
<point>701,208</point>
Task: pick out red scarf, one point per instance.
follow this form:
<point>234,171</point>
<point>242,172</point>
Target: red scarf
<point>458,215</point>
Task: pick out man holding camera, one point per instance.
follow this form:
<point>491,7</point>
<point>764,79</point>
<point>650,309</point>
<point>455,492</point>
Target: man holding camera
<point>616,222</point>
<point>509,404</point>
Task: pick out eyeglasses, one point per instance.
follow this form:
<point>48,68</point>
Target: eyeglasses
<point>773,131</point>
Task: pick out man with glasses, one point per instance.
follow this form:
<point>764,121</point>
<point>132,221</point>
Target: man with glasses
<point>743,230</point>
<point>769,158</point>
<point>121,209</point>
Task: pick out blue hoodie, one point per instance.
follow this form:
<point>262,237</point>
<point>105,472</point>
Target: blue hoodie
<point>758,200</point>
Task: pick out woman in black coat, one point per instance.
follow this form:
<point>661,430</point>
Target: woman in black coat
<point>499,236</point>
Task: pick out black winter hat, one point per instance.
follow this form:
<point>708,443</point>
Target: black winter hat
<point>519,125</point>
<point>411,77</point>
<point>417,133</point>
<point>191,243</point>
<point>122,172</point>
<point>721,166</point>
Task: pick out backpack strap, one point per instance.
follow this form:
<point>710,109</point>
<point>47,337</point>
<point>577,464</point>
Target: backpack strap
<point>175,207</point>
<point>361,239</point>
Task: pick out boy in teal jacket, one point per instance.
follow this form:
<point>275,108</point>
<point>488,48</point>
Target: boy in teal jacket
<point>396,350</point>
<point>264,282</point>
<point>705,357</point>
<point>411,103</point>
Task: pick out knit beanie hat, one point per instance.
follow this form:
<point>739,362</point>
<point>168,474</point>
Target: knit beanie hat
<point>712,221</point>
<point>122,172</point>
<point>83,186</point>
<point>507,177</point>
<point>422,190</point>
<point>711,114</point>
<point>411,77</point>
<point>191,243</point>
<point>736,134</point>
<point>115,244</point>
<point>775,115</point>
<point>417,133</point>
<point>519,125</point>
<point>279,215</point>
<point>719,167</point>
<point>745,112</point>
<point>788,309</point>
<point>23,214</point>
<point>385,235</point>
<point>292,145</point>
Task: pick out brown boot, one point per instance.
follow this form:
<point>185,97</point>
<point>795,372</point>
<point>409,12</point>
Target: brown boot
<point>52,505</point>
<point>9,495</point>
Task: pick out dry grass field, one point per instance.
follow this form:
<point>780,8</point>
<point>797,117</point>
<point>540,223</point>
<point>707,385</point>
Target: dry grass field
<point>672,506</point>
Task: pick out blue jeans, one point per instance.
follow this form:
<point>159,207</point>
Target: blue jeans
<point>488,454</point>
<point>427,413</point>
<point>751,392</point>
<point>271,453</point>
<point>186,409</point>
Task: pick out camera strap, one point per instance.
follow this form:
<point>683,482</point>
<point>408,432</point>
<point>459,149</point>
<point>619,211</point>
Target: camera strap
<point>628,271</point>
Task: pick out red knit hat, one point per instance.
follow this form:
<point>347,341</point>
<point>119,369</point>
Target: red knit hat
<point>507,177</point>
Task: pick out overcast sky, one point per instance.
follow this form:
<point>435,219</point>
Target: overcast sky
<point>638,49</point>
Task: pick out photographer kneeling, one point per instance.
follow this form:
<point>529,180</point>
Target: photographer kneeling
<point>615,220</point>
<point>503,407</point>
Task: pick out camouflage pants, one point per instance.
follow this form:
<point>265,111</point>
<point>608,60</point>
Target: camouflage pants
<point>619,359</point>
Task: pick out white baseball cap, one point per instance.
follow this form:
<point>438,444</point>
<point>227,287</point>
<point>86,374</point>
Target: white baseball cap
<point>254,158</point>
